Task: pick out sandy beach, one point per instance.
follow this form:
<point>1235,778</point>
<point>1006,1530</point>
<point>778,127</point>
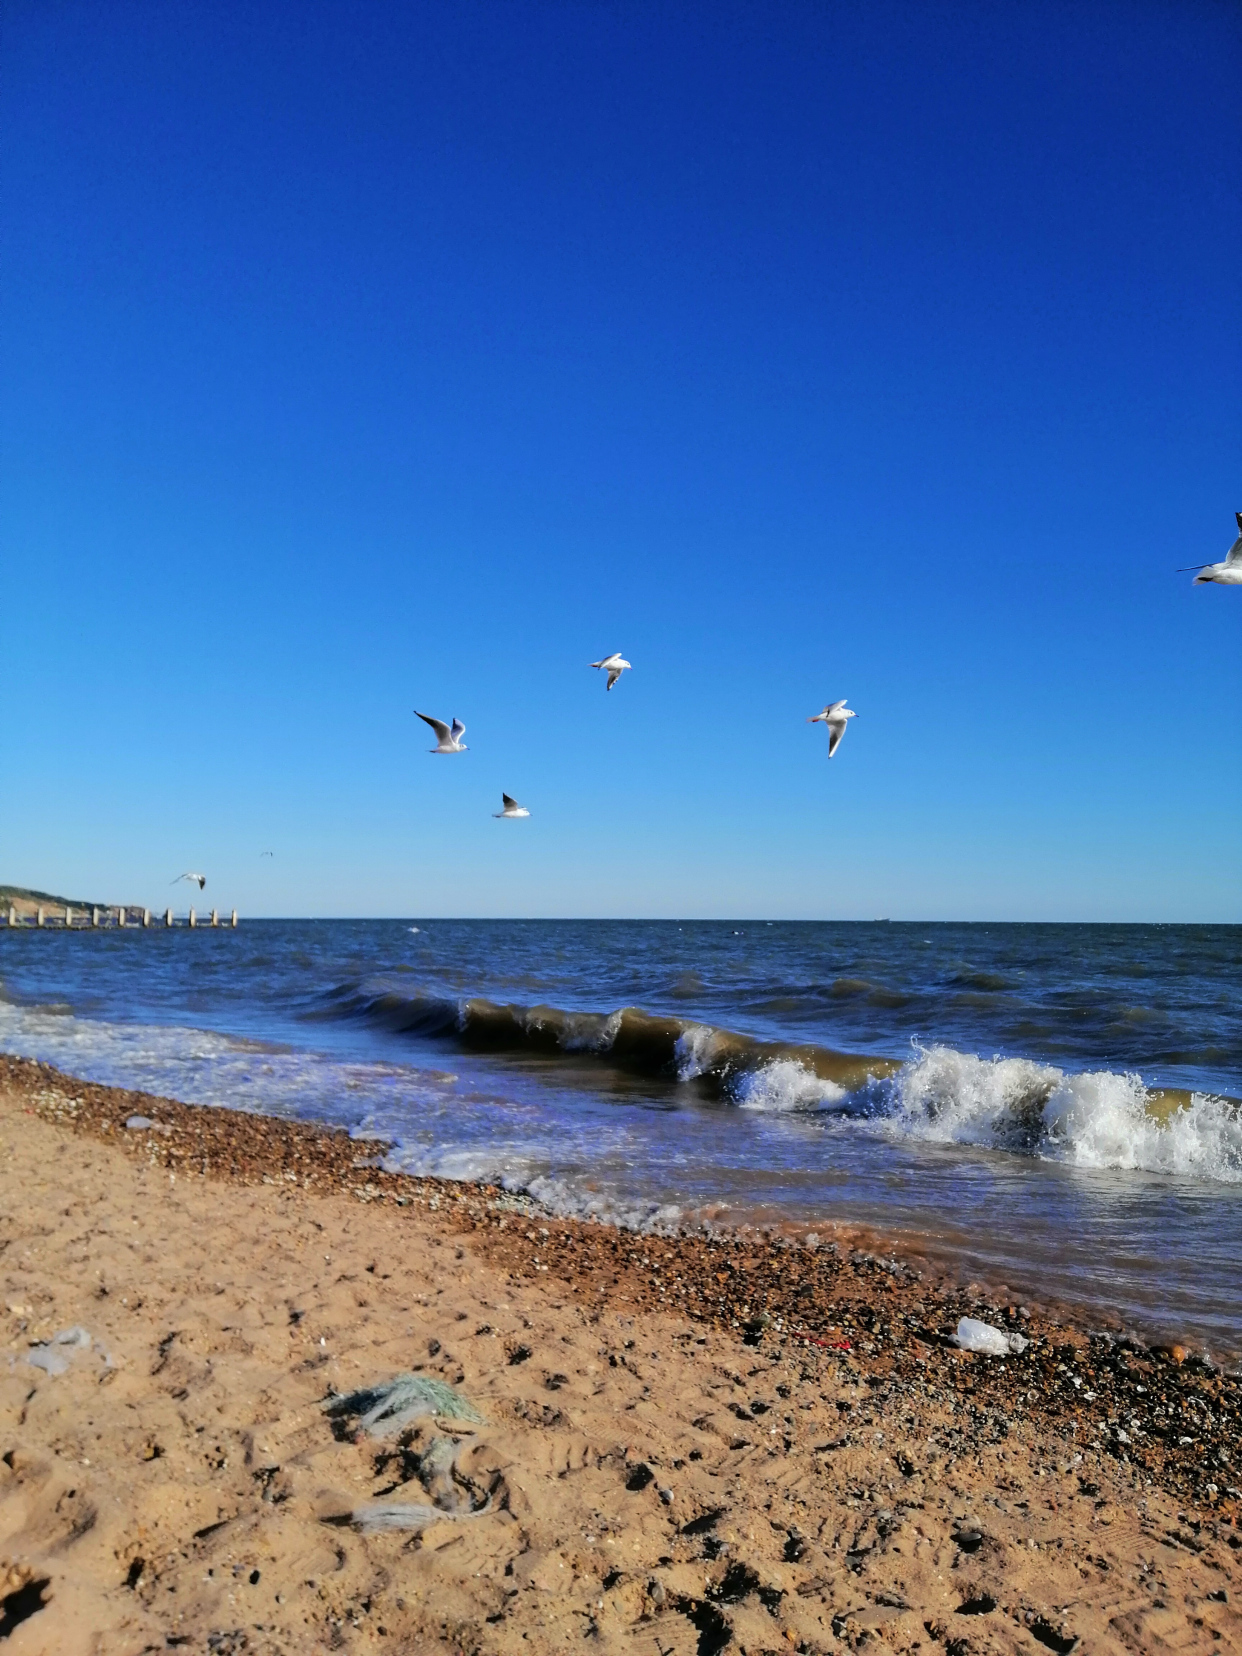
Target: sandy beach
<point>685,1444</point>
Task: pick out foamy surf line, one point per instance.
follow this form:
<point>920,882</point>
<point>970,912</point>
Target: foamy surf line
<point>1095,1119</point>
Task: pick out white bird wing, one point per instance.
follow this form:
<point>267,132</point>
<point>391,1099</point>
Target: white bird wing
<point>510,804</point>
<point>826,716</point>
<point>1234,555</point>
<point>459,730</point>
<point>614,673</point>
<point>836,729</point>
<point>438,725</point>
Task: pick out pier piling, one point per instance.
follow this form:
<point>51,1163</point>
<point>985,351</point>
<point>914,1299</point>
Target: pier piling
<point>193,919</point>
<point>168,917</point>
<point>39,918</point>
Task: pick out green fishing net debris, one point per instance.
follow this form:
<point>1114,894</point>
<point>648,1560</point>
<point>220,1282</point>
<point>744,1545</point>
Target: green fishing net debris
<point>453,1494</point>
<point>390,1407</point>
<point>378,1516</point>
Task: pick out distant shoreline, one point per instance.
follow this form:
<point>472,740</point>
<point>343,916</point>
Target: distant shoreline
<point>26,900</point>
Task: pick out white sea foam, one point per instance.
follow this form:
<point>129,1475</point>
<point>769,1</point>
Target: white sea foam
<point>1103,1120</point>
<point>1097,1119</point>
<point>953,1097</point>
<point>472,1165</point>
<point>779,1084</point>
<point>200,1066</point>
<point>575,1201</point>
<point>785,1084</point>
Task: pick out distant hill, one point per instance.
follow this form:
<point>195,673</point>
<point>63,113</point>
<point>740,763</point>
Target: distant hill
<point>21,895</point>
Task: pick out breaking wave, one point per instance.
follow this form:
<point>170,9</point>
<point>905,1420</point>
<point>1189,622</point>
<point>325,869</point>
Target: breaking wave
<point>1097,1119</point>
<point>717,1062</point>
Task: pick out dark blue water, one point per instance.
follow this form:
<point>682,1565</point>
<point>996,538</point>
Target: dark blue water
<point>1050,1106</point>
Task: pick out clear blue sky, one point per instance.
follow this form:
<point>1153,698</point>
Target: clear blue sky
<point>359,357</point>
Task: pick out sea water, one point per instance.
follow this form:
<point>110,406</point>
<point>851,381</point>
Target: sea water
<point>1050,1109</point>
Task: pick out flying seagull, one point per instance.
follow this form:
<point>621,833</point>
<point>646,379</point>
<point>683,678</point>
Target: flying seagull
<point>447,741</point>
<point>615,665</point>
<point>267,854</point>
<point>200,880</point>
<point>1228,573</point>
<point>511,808</point>
<point>834,716</point>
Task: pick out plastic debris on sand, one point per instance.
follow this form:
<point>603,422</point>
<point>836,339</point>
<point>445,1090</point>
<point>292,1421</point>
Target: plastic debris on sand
<point>390,1407</point>
<point>973,1335</point>
<point>54,1356</point>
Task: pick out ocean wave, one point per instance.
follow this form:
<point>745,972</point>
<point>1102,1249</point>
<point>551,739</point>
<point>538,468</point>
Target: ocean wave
<point>718,1062</point>
<point>785,1084</point>
<point>1096,1119</point>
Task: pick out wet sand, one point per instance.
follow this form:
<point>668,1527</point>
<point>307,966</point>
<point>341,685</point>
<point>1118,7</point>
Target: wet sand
<point>688,1444</point>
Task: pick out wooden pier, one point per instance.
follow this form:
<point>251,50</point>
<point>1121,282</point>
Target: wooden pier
<point>111,917</point>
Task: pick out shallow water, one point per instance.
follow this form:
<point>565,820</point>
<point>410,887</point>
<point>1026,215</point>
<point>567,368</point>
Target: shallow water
<point>1051,1107</point>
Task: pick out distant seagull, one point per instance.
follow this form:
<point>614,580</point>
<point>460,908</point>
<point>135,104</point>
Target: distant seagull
<point>615,665</point>
<point>200,880</point>
<point>267,853</point>
<point>1228,573</point>
<point>447,741</point>
<point>511,808</point>
<point>834,716</point>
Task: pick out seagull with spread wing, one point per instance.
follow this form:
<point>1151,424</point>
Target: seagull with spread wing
<point>1228,572</point>
<point>200,880</point>
<point>511,808</point>
<point>834,716</point>
<point>447,741</point>
<point>614,665</point>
